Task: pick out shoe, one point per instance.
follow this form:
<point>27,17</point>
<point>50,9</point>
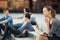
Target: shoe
<point>2,39</point>
<point>1,34</point>
<point>6,39</point>
<point>22,35</point>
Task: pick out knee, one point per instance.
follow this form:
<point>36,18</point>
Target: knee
<point>39,36</point>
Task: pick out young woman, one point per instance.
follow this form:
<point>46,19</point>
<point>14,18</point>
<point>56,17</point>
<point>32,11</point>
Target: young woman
<point>52,26</point>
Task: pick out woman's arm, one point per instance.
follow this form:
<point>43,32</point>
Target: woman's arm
<point>5,21</point>
<point>17,17</point>
<point>47,25</point>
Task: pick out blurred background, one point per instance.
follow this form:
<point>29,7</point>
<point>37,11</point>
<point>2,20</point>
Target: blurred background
<point>16,9</point>
<point>17,6</point>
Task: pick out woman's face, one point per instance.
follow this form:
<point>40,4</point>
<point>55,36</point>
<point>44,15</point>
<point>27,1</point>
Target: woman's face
<point>24,10</point>
<point>46,13</point>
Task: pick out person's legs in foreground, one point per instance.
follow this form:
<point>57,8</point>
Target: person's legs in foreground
<point>17,25</point>
<point>1,28</point>
<point>12,29</point>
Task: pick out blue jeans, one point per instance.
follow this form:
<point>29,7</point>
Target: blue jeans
<point>17,25</point>
<point>2,27</point>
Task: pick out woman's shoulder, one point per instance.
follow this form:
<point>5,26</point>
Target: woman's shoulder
<point>57,21</point>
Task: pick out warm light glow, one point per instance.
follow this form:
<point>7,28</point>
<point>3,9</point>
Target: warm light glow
<point>34,0</point>
<point>19,0</point>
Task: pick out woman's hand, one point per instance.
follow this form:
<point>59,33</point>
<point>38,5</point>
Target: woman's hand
<point>46,20</point>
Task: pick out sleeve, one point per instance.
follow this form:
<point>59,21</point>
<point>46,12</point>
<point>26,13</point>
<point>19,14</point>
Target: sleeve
<point>26,27</point>
<point>9,19</point>
<point>29,27</point>
<point>54,27</point>
<point>24,24</point>
<point>1,19</point>
<point>23,27</point>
